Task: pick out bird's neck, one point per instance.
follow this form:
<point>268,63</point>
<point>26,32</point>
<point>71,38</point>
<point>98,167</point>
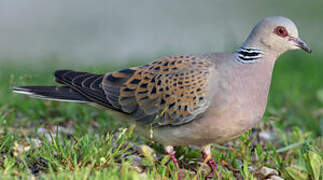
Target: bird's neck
<point>248,54</point>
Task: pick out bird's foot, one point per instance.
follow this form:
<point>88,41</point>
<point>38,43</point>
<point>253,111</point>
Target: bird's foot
<point>211,163</point>
<point>171,153</point>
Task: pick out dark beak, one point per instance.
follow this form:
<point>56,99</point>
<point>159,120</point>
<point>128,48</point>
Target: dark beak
<point>301,44</point>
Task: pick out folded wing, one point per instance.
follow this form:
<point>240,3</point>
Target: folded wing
<point>169,91</point>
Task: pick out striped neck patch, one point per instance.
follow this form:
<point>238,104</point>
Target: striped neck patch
<point>247,55</point>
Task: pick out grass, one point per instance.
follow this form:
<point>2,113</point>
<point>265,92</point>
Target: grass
<point>50,140</point>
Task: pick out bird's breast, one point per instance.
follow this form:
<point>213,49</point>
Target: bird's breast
<point>239,102</point>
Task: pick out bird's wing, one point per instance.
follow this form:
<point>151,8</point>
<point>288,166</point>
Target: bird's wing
<point>170,91</point>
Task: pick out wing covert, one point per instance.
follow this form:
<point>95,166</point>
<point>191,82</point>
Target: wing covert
<point>170,91</point>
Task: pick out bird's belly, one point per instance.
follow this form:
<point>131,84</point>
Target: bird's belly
<point>230,123</point>
<point>220,126</point>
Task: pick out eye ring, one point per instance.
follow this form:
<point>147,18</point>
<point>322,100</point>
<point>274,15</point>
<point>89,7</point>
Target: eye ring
<point>281,31</point>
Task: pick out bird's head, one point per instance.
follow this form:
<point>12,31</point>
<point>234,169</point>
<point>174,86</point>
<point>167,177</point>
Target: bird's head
<point>276,34</point>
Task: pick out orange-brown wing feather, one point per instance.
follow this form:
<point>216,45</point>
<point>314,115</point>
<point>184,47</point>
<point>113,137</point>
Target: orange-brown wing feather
<point>169,91</point>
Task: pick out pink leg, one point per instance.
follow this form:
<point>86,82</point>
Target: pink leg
<point>206,154</point>
<point>170,151</point>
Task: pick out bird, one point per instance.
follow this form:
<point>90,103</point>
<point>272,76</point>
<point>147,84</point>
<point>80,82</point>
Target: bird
<point>196,100</point>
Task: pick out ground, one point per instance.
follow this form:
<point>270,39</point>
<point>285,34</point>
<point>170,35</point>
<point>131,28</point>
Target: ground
<point>44,139</point>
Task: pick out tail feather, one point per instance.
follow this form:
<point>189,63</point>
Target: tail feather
<point>77,87</point>
<point>57,93</point>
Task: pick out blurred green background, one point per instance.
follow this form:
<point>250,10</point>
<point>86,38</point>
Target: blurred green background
<point>113,31</point>
<point>37,37</point>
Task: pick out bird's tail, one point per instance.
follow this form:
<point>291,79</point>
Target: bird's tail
<point>57,93</point>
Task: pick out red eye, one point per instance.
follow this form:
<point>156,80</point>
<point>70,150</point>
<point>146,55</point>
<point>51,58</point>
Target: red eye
<point>281,31</point>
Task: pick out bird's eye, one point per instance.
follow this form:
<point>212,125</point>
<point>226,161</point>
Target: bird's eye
<point>281,31</point>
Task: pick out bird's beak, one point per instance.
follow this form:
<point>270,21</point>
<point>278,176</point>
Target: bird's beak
<point>301,44</point>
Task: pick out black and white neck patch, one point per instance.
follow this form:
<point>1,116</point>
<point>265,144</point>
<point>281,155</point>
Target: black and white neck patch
<point>246,55</point>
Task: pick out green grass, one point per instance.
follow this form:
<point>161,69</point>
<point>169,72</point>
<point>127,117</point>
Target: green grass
<point>50,140</point>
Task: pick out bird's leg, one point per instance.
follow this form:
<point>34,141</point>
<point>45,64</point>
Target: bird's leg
<point>206,154</point>
<point>170,151</point>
